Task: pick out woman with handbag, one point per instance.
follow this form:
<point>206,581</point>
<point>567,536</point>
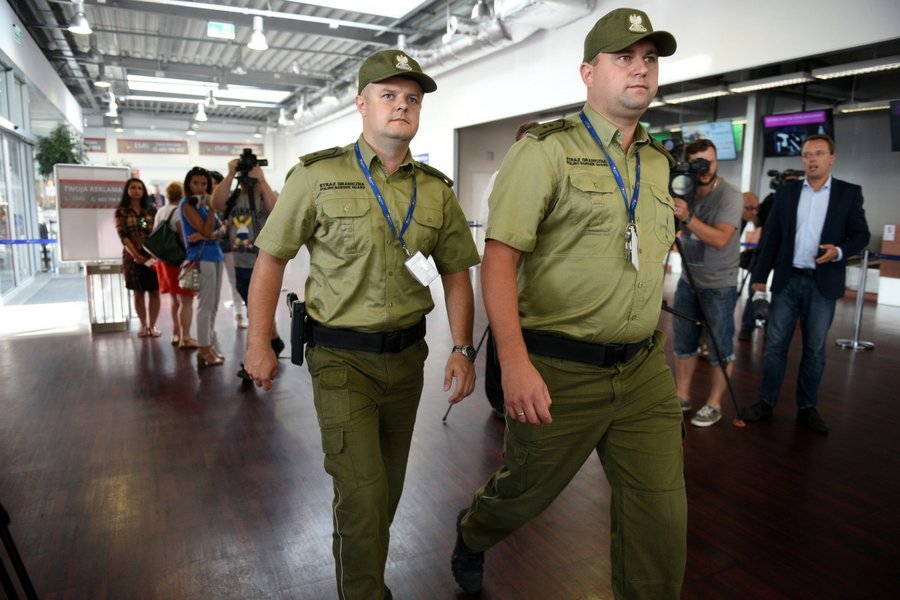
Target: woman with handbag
<point>201,230</point>
<point>134,221</point>
<point>182,300</point>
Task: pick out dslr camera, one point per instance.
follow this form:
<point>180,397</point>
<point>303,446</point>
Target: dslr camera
<point>683,178</point>
<point>779,177</point>
<point>246,161</point>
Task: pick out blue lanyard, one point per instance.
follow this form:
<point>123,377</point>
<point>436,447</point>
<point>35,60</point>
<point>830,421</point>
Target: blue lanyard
<point>615,171</point>
<point>380,198</point>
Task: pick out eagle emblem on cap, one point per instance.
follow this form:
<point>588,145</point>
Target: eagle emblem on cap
<point>637,24</point>
<point>403,62</point>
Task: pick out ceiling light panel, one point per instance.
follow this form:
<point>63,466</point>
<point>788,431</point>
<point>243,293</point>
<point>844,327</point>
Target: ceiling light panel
<point>858,68</point>
<point>770,82</point>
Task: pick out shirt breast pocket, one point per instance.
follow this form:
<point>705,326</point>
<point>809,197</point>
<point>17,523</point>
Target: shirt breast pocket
<point>424,229</point>
<point>345,225</point>
<point>592,202</point>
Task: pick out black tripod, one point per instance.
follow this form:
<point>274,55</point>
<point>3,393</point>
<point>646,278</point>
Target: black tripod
<point>737,422</point>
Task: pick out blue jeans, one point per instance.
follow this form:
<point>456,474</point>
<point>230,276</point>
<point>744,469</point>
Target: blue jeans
<point>718,304</point>
<point>800,299</point>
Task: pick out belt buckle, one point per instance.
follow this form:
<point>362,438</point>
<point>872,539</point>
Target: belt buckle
<point>613,354</point>
<point>392,341</point>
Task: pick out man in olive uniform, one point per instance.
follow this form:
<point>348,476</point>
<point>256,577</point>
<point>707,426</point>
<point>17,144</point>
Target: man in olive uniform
<point>371,217</point>
<point>580,223</point>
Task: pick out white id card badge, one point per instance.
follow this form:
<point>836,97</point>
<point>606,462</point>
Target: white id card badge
<point>421,269</point>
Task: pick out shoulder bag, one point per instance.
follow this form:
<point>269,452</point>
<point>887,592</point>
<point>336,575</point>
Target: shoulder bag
<point>165,244</point>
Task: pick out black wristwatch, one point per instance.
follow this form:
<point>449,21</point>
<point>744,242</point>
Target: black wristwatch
<point>688,218</point>
<point>467,351</point>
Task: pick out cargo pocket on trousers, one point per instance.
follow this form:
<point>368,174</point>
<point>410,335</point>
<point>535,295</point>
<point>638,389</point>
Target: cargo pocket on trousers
<point>514,480</point>
<point>331,396</point>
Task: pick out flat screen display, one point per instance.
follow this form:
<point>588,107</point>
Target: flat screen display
<point>783,135</point>
<point>720,133</point>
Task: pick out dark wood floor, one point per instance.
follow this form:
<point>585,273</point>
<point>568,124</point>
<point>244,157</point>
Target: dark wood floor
<point>129,475</point>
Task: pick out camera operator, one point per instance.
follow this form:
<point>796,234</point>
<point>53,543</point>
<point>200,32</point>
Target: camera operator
<point>246,212</point>
<point>709,228</point>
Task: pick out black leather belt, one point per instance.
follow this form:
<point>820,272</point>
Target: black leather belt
<point>804,272</point>
<point>602,355</point>
<point>347,339</point>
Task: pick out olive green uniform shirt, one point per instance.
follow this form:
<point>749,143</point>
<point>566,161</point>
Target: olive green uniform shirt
<point>357,278</point>
<point>556,200</point>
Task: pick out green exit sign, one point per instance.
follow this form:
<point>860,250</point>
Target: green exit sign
<point>222,31</point>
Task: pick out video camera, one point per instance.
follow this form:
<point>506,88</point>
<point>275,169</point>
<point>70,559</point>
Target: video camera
<point>246,161</point>
<point>683,178</point>
<point>779,177</point>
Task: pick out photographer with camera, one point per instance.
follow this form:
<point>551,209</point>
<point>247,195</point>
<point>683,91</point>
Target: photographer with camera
<point>245,212</point>
<point>711,243</point>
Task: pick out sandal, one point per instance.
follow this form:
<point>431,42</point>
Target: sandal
<point>208,359</point>
<point>188,343</point>
<point>154,332</point>
<point>142,332</point>
<point>176,339</point>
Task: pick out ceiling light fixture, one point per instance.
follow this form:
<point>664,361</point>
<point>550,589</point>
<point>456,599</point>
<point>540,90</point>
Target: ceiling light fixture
<point>702,94</point>
<point>258,133</point>
<point>855,107</point>
<point>282,118</point>
<point>770,82</point>
<point>190,132</point>
<point>211,101</point>
<point>482,11</point>
<point>201,113</point>
<point>298,112</point>
<point>258,38</point>
<point>78,23</point>
<point>102,81</point>
<point>330,98</point>
<point>858,68</point>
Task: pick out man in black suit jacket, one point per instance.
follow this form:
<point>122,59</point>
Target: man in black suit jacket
<point>814,226</point>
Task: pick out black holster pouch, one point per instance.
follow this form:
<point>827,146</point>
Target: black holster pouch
<point>298,327</point>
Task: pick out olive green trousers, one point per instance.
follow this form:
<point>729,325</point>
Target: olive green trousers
<point>629,415</point>
<point>366,405</point>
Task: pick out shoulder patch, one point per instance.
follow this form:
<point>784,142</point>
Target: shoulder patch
<point>658,145</point>
<point>434,173</point>
<point>541,131</point>
<point>308,159</point>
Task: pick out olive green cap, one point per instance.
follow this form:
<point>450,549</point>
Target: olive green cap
<point>393,63</point>
<point>621,28</point>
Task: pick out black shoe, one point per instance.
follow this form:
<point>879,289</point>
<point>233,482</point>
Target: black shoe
<point>757,412</point>
<point>244,374</point>
<point>466,564</point>
<point>809,417</point>
<point>277,345</point>
<point>387,593</point>
<point>746,334</point>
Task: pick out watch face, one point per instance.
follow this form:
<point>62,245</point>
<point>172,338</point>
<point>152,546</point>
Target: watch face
<point>467,351</point>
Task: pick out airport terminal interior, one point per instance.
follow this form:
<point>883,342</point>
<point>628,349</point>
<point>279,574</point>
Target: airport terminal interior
<point>127,472</point>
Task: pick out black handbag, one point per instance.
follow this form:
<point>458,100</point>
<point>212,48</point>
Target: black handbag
<point>165,244</point>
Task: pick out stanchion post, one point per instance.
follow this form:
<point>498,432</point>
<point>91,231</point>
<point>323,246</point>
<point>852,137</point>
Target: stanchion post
<point>854,343</point>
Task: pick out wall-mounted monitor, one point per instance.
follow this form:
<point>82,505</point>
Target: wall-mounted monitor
<point>720,133</point>
<point>783,134</point>
<point>895,125</point>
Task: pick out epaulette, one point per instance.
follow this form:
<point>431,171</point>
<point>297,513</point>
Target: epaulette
<point>432,171</point>
<point>308,159</point>
<point>541,131</point>
<point>658,145</point>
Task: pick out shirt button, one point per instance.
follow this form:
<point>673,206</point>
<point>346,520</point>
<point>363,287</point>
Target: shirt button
<point>390,273</point>
<point>390,305</point>
<point>346,208</point>
<point>634,317</point>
